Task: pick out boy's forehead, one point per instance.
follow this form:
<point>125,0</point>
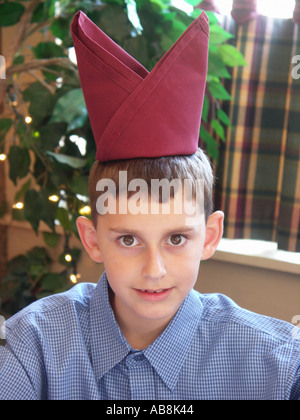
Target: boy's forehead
<point>148,215</point>
<point>167,198</point>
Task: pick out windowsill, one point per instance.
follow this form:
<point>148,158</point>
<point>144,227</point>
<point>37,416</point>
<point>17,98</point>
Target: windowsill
<point>258,253</point>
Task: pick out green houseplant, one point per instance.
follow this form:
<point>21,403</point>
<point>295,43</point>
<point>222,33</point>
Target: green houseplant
<point>51,141</point>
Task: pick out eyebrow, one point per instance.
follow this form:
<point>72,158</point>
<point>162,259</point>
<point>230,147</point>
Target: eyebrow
<point>183,229</point>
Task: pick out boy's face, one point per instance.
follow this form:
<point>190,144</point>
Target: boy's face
<point>151,261</point>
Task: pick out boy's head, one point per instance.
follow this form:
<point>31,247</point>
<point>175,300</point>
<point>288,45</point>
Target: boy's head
<point>151,260</point>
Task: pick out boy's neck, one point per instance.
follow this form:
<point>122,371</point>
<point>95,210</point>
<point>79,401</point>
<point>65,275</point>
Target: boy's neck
<point>139,334</point>
<point>141,338</point>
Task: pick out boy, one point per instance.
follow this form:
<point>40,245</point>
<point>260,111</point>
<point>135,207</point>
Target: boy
<point>142,332</point>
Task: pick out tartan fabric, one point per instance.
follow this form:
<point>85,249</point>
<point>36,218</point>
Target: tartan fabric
<point>260,191</point>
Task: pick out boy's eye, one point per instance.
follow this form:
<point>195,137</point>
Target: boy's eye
<point>176,239</point>
<point>128,240</point>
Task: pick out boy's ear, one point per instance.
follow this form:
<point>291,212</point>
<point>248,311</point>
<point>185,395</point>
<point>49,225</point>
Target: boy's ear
<point>88,236</point>
<point>214,233</point>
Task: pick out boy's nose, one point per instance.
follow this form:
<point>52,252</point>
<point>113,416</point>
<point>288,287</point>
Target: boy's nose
<point>154,265</point>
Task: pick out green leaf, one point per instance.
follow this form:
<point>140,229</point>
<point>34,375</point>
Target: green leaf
<point>60,29</point>
<point>206,136</point>
<point>52,281</point>
<point>79,185</point>
<point>18,265</point>
<point>137,47</point>
<point>216,66</point>
<point>194,2</point>
<point>178,29</point>
<point>48,50</point>
<point>37,207</point>
<point>205,108</point>
<point>114,22</point>
<point>50,4</point>
<point>218,91</point>
<point>231,56</point>
<point>74,162</point>
<point>223,117</point>
<point>60,176</point>
<point>10,13</point>
<point>211,144</point>
<point>36,270</point>
<point>217,34</point>
<point>18,59</point>
<point>39,13</point>
<point>21,129</point>
<point>51,239</point>
<point>71,109</point>
<point>49,136</point>
<point>38,254</point>
<point>22,191</point>
<point>196,13</point>
<point>211,17</point>
<point>32,209</point>
<point>19,163</point>
<point>218,128</point>
<point>166,42</point>
<point>5,124</point>
<point>63,218</point>
<point>48,211</point>
<point>41,102</point>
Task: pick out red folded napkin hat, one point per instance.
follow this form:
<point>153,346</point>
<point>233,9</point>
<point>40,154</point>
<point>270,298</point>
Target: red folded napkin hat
<point>134,113</point>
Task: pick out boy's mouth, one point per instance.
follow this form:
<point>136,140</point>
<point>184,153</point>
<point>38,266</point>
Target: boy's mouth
<point>154,295</point>
<point>152,291</point>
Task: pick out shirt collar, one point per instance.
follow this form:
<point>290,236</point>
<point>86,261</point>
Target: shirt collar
<point>169,351</point>
<point>166,354</point>
<point>108,344</point>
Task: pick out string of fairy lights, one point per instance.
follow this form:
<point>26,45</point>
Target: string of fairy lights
<point>85,210</point>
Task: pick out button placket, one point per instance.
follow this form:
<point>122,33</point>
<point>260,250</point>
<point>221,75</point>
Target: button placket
<point>134,359</point>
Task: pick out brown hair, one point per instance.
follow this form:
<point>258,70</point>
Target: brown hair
<point>192,167</point>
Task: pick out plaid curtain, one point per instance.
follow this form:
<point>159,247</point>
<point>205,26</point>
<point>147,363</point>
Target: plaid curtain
<point>259,168</point>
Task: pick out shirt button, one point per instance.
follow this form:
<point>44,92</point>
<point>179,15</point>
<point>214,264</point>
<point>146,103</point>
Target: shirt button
<point>139,358</point>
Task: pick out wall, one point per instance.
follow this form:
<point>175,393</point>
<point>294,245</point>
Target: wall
<point>269,292</point>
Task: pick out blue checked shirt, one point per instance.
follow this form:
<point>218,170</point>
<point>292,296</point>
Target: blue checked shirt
<point>69,346</point>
